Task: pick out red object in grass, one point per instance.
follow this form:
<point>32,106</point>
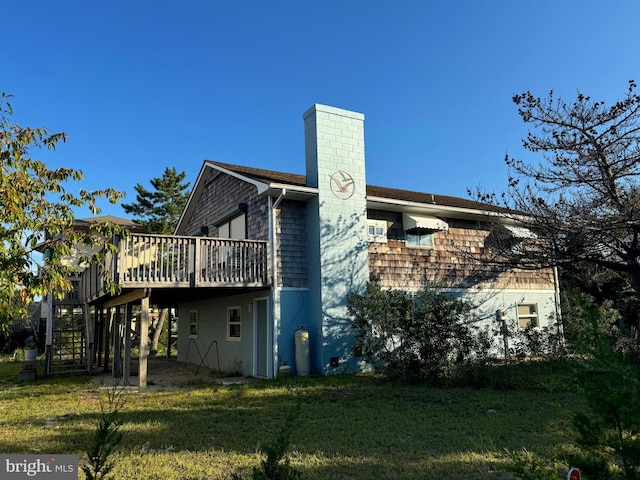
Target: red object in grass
<point>574,474</point>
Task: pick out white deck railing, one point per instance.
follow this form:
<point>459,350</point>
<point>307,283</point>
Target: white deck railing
<point>170,261</point>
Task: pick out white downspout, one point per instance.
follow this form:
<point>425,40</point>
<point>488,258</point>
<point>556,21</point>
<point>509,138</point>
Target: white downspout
<point>275,306</point>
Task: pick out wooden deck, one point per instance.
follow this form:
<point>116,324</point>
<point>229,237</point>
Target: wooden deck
<point>166,261</point>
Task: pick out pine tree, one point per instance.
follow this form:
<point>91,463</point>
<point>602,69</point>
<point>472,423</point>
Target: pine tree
<point>159,210</point>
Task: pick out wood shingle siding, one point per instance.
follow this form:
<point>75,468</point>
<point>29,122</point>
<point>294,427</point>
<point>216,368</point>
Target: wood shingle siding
<point>223,192</point>
<point>454,261</point>
<point>292,244</point>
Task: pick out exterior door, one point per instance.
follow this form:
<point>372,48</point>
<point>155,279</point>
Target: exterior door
<point>261,351</point>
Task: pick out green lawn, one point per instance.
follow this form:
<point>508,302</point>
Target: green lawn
<point>352,427</point>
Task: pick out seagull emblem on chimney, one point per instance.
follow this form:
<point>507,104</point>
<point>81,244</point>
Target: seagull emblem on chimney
<point>342,184</point>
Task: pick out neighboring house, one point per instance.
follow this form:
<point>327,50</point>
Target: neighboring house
<point>257,254</point>
<point>66,322</point>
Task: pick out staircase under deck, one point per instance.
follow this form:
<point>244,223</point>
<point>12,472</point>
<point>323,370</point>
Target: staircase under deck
<point>161,270</point>
<point>68,342</point>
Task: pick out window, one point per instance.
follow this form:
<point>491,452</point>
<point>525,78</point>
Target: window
<point>193,323</point>
<point>377,231</point>
<point>527,315</point>
<point>512,238</point>
<point>419,238</point>
<point>419,229</point>
<point>234,228</point>
<point>233,323</point>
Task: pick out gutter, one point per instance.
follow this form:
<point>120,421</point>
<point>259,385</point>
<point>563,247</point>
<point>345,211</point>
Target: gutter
<point>275,304</point>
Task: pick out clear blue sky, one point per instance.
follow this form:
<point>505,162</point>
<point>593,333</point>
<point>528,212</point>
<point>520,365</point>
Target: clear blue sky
<point>142,85</point>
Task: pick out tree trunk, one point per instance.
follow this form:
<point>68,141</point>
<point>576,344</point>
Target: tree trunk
<point>158,331</point>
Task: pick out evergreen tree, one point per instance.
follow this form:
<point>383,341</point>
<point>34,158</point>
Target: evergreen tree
<point>159,210</point>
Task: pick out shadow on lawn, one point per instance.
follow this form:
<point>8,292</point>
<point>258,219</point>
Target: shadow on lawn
<point>347,424</point>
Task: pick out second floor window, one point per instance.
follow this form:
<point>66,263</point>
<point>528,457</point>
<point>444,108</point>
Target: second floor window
<point>234,228</point>
<point>377,230</point>
<point>417,238</point>
<point>419,229</point>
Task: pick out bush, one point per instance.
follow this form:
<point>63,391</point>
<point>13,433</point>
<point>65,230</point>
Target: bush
<point>537,342</point>
<point>276,465</point>
<point>106,438</point>
<point>414,337</point>
<point>15,340</point>
<point>609,431</point>
<point>583,318</point>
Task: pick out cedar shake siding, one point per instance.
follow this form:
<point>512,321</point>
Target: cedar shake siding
<point>291,234</point>
<point>454,261</point>
<point>222,193</point>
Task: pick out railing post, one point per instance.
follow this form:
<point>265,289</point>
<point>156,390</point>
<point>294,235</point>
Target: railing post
<point>194,257</point>
<point>179,261</point>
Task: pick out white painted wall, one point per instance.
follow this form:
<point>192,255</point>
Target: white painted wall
<point>235,356</point>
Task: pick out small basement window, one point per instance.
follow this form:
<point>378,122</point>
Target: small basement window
<point>377,231</point>
<point>527,315</point>
<point>193,323</point>
<point>233,324</point>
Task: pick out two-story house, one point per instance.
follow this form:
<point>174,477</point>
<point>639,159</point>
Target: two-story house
<point>257,254</point>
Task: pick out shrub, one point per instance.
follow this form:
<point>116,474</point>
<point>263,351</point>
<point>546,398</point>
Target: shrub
<point>539,342</point>
<point>275,465</point>
<point>583,318</point>
<point>107,437</point>
<point>414,337</point>
<point>609,431</point>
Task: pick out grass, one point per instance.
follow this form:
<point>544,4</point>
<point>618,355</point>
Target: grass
<point>351,427</point>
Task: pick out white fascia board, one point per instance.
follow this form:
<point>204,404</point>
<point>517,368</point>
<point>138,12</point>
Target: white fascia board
<point>394,205</point>
<point>272,188</point>
<point>199,185</point>
<point>293,191</point>
<point>381,203</point>
<point>195,192</point>
<point>261,186</point>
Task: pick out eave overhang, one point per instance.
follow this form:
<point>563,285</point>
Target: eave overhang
<point>405,206</point>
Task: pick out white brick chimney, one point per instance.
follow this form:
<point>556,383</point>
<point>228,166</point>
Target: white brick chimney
<point>337,227</point>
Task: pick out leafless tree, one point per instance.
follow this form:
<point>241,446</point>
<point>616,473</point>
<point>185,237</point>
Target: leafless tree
<point>581,200</point>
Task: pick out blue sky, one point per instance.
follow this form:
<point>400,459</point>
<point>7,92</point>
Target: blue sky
<point>142,85</point>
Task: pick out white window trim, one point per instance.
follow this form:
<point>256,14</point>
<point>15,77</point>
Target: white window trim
<point>529,317</point>
<point>413,245</point>
<point>229,323</point>
<point>377,238</point>
<point>197,323</point>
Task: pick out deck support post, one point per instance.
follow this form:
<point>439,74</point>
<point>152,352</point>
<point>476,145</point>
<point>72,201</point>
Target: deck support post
<point>144,344</point>
<point>126,367</point>
<point>89,340</point>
